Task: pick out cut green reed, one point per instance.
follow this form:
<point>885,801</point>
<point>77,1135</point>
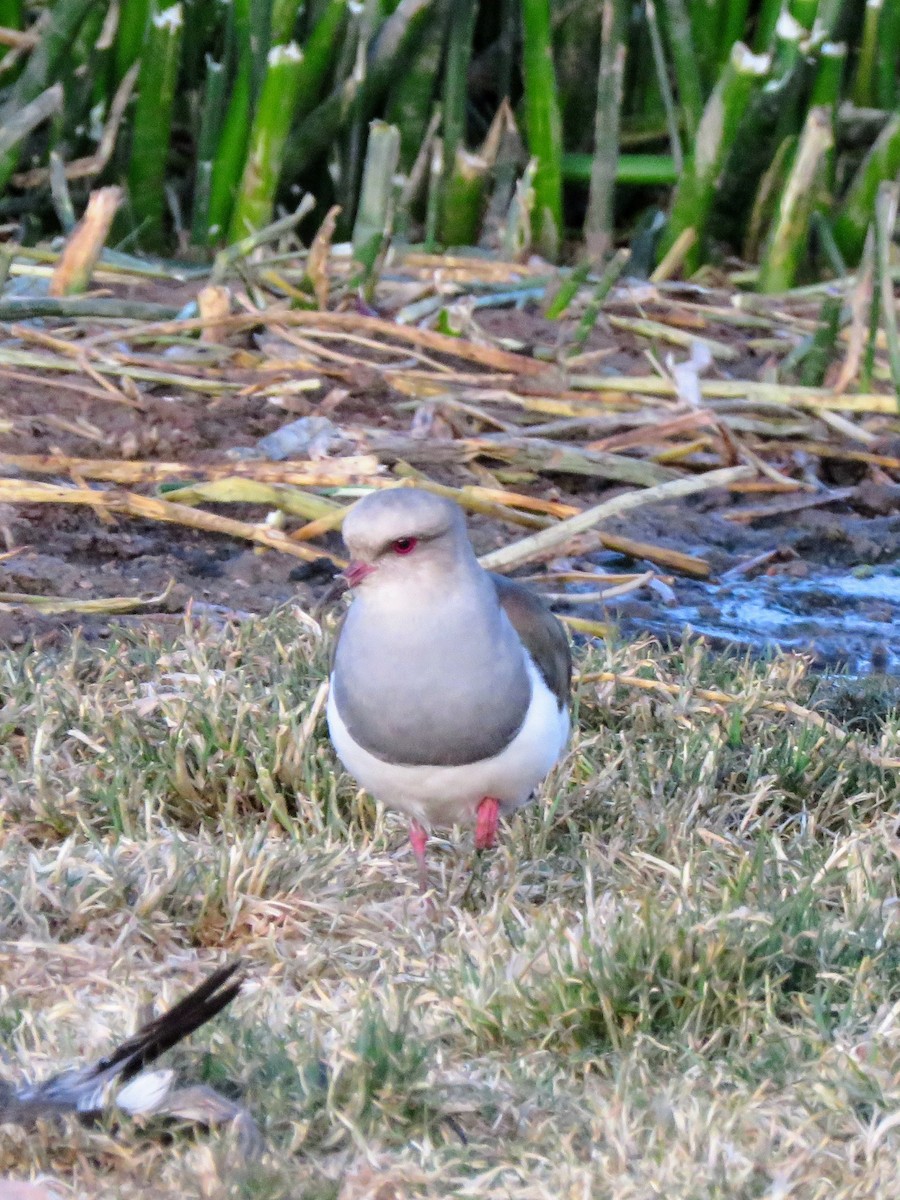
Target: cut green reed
<point>152,123</point>
<point>864,83</point>
<point>458,57</point>
<point>857,209</point>
<point>134,16</point>
<point>410,100</point>
<point>231,151</point>
<point>543,124</point>
<point>374,214</point>
<point>599,221</point>
<point>887,57</point>
<point>464,198</point>
<point>268,136</point>
<point>460,29</point>
<point>212,108</point>
<point>721,120</point>
<point>787,242</point>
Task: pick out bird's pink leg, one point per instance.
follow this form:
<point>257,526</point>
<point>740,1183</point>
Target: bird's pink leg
<point>486,825</point>
<point>418,839</point>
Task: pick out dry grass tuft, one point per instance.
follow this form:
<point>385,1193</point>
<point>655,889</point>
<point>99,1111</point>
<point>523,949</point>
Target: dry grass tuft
<point>682,976</point>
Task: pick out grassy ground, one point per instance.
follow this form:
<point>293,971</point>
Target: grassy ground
<point>681,977</point>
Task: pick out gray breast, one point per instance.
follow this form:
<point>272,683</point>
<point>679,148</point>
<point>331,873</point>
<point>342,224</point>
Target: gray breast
<point>447,689</point>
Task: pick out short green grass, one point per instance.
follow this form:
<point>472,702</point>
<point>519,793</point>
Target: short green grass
<point>679,975</point>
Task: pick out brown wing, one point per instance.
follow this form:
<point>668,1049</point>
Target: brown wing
<point>543,634</point>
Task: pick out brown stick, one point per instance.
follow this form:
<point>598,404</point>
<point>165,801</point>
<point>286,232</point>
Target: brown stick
<point>14,491</point>
<point>334,472</point>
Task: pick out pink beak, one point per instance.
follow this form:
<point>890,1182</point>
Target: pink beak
<point>356,572</point>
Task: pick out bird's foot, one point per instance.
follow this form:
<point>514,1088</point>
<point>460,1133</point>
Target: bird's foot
<point>418,839</point>
<point>486,824</point>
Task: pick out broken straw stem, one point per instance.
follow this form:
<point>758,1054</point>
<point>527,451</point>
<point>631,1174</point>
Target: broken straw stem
<point>552,539</point>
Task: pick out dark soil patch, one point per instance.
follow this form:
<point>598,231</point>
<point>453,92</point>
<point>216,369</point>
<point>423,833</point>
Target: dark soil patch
<point>73,552</point>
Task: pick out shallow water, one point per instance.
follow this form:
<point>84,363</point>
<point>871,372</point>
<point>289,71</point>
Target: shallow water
<point>848,622</point>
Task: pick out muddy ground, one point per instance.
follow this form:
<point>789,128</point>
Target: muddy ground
<point>832,588</point>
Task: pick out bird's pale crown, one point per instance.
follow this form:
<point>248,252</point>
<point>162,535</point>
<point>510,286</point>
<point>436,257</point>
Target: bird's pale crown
<point>375,523</point>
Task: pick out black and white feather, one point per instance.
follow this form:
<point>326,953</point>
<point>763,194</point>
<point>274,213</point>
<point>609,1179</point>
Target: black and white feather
<point>119,1079</point>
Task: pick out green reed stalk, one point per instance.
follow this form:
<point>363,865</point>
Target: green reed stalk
<point>734,26</point>
<point>212,108</point>
<point>822,350</point>
<point>319,51</point>
<point>684,61</point>
<point>829,14</point>
<point>766,20</point>
<point>858,207</point>
<point>435,193</point>
<point>825,242</point>
<point>318,130</point>
<point>396,43</point>
<point>544,125</point>
<point>829,78</point>
<point>598,224</point>
<point>411,98</point>
<point>665,88</point>
<point>771,185</point>
<point>568,289</point>
<point>283,21</point>
<point>231,151</point>
<point>696,189</point>
<point>133,18</point>
<point>375,211</point>
<point>608,280</point>
<point>864,80</point>
<point>10,18</point>
<point>11,15</point>
<point>866,276</point>
<point>456,89</point>
<point>348,178</point>
<point>464,198</point>
<point>787,47</point>
<point>643,170</point>
<point>265,153</point>
<point>704,19</point>
<point>887,69</point>
<point>826,92</point>
<point>804,11</point>
<point>152,126</point>
<point>786,245</point>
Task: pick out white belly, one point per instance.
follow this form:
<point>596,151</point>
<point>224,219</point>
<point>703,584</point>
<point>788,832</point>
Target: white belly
<point>450,795</point>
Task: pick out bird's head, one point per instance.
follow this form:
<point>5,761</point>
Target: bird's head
<point>403,535</point>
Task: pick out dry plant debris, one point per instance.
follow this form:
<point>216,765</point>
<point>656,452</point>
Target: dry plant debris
<point>440,392</point>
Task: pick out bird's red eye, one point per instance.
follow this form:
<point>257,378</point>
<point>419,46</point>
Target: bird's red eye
<point>404,545</point>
